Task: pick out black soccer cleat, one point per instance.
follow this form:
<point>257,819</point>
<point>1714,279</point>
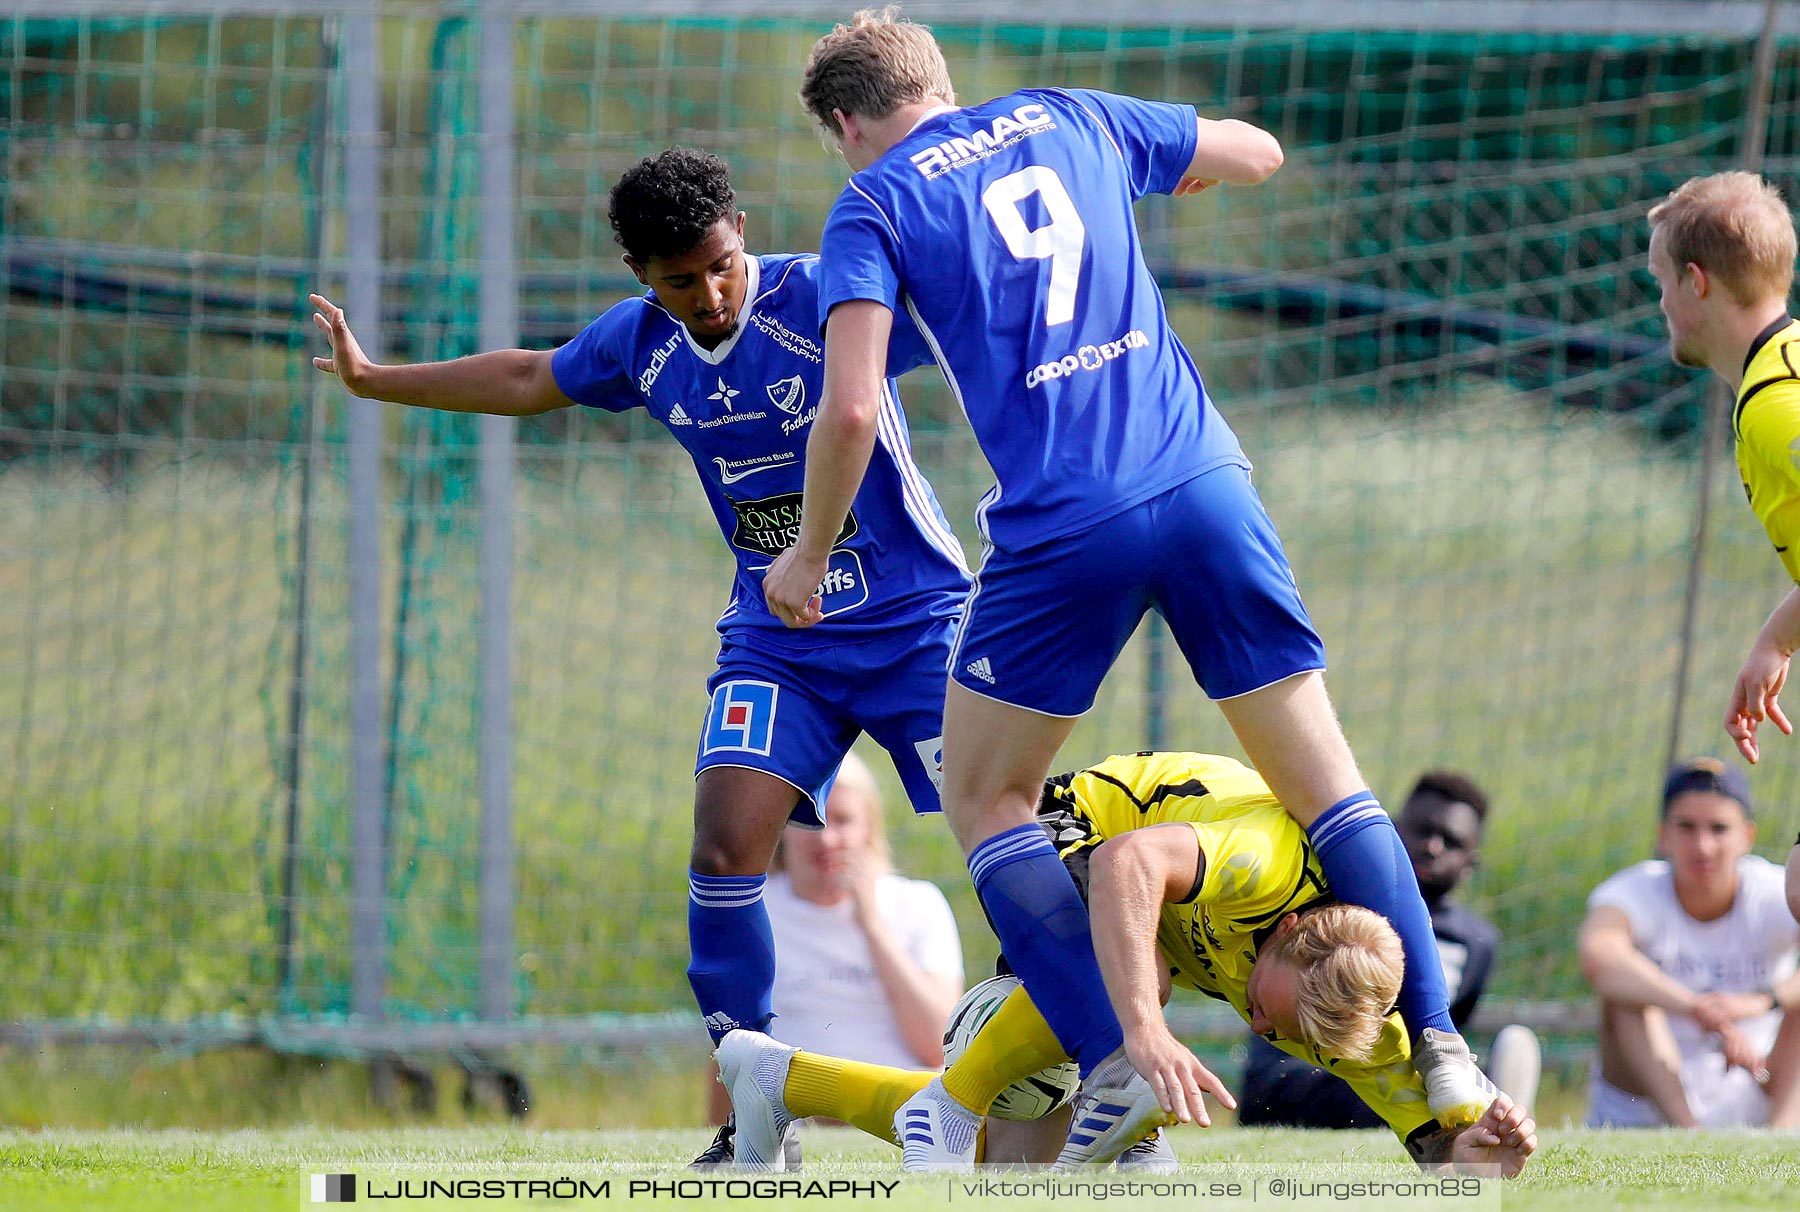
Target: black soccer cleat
<point>722,1153</point>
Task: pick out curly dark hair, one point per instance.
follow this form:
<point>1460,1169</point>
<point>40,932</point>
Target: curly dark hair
<point>666,205</point>
<point>1455,787</point>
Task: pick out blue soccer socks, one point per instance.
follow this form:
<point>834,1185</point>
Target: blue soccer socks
<point>1366,864</point>
<point>731,963</point>
<point>1034,907</point>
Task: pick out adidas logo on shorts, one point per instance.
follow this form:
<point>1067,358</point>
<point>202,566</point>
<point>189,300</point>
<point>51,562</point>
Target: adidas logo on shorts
<point>981,669</point>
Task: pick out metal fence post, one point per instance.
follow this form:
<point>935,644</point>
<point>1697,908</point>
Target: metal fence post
<point>362,247</point>
<point>499,330</point>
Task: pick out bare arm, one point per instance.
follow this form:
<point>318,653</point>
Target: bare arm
<point>1131,878</point>
<point>506,382</point>
<point>837,455</point>
<point>921,1000</point>
<point>1232,151</point>
<point>1793,898</point>
<point>1756,694</point>
<point>1619,972</point>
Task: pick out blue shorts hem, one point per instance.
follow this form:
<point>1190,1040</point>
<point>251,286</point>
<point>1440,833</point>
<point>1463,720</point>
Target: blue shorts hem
<point>1275,681</point>
<point>806,813</point>
<point>994,698</point>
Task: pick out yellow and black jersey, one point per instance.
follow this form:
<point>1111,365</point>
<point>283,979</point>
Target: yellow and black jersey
<point>1767,423</point>
<point>1257,868</point>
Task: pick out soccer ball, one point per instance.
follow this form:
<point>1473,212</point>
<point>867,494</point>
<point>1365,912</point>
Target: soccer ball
<point>1028,1098</point>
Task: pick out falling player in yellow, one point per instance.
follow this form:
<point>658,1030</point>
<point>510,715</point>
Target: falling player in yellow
<point>1196,875</point>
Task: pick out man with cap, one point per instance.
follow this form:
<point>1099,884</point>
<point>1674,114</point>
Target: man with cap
<point>1693,956</point>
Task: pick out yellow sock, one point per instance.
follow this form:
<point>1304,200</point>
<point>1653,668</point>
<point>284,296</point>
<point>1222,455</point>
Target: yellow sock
<point>1014,1044</point>
<point>864,1096</point>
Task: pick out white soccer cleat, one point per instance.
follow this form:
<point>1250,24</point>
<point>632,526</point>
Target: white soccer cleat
<point>936,1133</point>
<point>753,1068</point>
<point>1152,1155</point>
<point>1457,1092</point>
<point>1114,1111</point>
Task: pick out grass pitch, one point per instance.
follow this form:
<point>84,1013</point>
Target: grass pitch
<point>202,1172</point>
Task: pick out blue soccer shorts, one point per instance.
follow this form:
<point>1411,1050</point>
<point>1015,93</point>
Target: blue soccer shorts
<point>794,714</point>
<point>1042,626</point>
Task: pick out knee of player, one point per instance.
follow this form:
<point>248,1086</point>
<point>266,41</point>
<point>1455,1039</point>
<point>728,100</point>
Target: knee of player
<point>723,852</point>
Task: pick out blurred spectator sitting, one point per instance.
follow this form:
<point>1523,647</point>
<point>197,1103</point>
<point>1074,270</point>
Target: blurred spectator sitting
<point>1441,824</point>
<point>1793,880</point>
<point>1693,957</point>
<point>868,964</point>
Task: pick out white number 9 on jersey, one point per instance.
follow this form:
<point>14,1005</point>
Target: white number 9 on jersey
<point>1061,239</point>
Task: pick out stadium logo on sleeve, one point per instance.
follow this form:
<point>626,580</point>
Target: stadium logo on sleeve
<point>788,395</point>
<point>334,1188</point>
<point>658,359</point>
<point>742,718</point>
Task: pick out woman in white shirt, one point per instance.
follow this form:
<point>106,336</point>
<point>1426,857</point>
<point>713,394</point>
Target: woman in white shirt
<point>868,963</point>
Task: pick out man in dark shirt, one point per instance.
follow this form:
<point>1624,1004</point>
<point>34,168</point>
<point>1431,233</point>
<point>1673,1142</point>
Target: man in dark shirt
<point>1441,824</point>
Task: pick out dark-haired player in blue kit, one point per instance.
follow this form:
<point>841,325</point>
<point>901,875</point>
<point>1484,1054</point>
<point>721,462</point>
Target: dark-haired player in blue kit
<point>1004,231</point>
<point>723,350</point>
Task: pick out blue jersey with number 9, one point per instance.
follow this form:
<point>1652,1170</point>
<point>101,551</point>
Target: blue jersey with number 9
<point>1006,231</point>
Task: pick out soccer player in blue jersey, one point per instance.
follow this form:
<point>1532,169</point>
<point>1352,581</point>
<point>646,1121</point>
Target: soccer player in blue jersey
<point>1004,232</point>
<point>722,350</point>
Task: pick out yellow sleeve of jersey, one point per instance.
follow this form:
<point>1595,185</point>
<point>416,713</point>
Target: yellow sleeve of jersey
<point>1769,435</point>
<point>1387,1083</point>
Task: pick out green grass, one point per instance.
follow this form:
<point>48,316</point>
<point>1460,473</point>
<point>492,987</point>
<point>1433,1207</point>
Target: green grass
<point>252,1170</point>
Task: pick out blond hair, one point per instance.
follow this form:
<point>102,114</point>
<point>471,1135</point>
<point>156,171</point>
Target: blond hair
<point>1736,227</point>
<point>871,67</point>
<point>1349,963</point>
<point>855,776</point>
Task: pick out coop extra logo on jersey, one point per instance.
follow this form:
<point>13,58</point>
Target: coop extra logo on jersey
<point>1002,132</point>
<point>1088,357</point>
<point>742,718</point>
<point>768,526</point>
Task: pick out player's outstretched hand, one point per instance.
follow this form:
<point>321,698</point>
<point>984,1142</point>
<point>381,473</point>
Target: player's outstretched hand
<point>1504,1136</point>
<point>1192,185</point>
<point>1177,1077</point>
<point>791,588</point>
<point>1755,698</point>
<point>347,360</point>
